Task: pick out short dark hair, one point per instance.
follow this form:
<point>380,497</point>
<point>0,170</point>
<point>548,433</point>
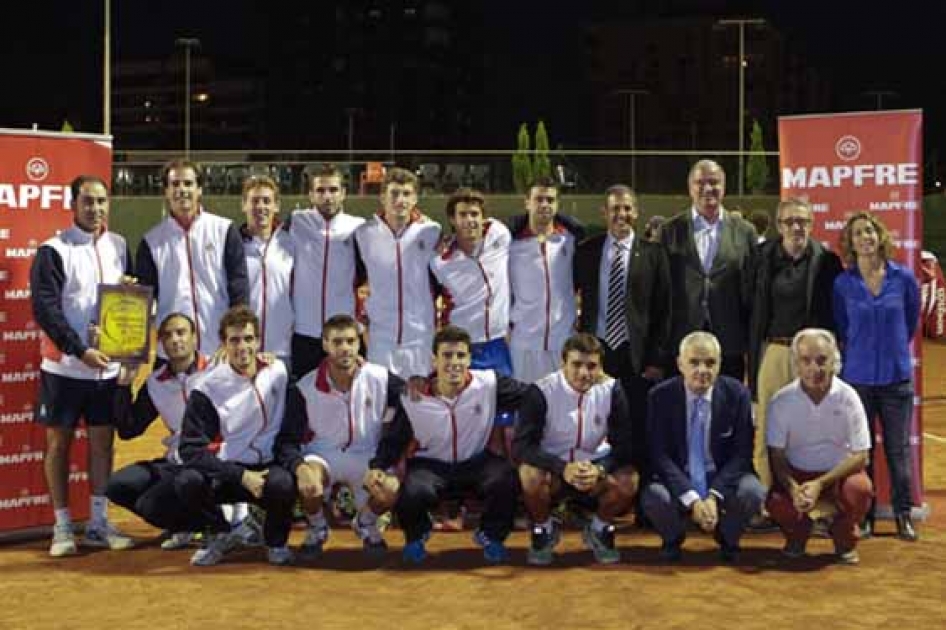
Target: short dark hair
<point>340,321</point>
<point>451,334</point>
<point>465,195</point>
<point>760,219</point>
<point>180,163</point>
<point>76,186</point>
<point>543,181</point>
<point>238,317</point>
<point>325,170</point>
<point>584,343</point>
<point>167,322</point>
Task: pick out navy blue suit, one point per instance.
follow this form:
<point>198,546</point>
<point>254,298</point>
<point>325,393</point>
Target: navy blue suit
<point>738,491</point>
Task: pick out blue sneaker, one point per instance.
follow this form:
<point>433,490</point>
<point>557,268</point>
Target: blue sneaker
<point>494,551</point>
<point>414,551</point>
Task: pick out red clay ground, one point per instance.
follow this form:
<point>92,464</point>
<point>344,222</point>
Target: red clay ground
<point>896,584</point>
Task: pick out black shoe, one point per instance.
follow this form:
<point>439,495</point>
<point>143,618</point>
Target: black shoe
<point>671,551</point>
<point>905,529</point>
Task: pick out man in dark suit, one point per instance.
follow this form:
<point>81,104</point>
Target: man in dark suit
<point>700,430</point>
<point>624,284</point>
<point>711,262</point>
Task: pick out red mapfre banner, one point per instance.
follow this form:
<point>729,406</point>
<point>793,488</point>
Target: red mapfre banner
<point>933,285</point>
<point>35,203</point>
<point>843,163</point>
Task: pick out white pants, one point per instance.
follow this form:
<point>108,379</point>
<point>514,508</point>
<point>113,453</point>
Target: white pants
<point>405,360</point>
<point>347,467</point>
<point>530,364</point>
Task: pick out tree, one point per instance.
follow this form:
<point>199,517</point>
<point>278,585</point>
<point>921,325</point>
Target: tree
<point>522,162</point>
<point>757,169</point>
<point>541,167</point>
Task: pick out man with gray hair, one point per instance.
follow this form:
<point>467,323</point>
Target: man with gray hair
<point>712,255</point>
<point>818,445</point>
<point>700,443</point>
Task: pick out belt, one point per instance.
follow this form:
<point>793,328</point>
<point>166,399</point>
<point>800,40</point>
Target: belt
<point>780,341</point>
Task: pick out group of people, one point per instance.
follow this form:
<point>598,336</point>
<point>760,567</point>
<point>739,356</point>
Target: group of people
<point>517,362</point>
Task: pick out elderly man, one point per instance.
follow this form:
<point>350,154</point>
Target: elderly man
<point>793,290</point>
<point>700,442</point>
<point>711,260</point>
<point>818,444</point>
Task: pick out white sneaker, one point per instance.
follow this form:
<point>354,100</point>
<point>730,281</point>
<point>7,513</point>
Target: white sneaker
<point>280,556</point>
<point>370,536</point>
<point>64,542</point>
<point>216,546</point>
<point>177,540</point>
<point>106,536</point>
<point>315,537</point>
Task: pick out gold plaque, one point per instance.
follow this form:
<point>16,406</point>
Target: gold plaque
<point>124,321</point>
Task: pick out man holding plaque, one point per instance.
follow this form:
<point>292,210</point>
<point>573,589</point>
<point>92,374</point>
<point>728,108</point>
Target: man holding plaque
<point>76,379</point>
<point>193,259</point>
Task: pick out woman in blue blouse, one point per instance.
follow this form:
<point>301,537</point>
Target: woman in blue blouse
<point>876,308</point>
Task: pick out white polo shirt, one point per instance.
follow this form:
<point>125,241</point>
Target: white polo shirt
<point>816,438</point>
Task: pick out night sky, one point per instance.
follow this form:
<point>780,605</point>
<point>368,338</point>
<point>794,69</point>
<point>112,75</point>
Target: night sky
<point>52,57</point>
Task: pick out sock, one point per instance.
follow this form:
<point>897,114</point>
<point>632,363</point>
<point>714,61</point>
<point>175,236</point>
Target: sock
<point>598,525</point>
<point>546,525</point>
<point>62,517</point>
<point>240,511</point>
<point>316,520</point>
<point>99,510</point>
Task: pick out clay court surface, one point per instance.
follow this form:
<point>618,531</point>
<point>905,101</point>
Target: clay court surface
<point>897,585</point>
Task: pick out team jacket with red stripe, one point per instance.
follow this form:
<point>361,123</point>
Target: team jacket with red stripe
<point>63,282</point>
<point>400,307</point>
<point>334,419</point>
<point>543,293</point>
<point>476,288</point>
<point>324,280</point>
<point>164,394</point>
<point>246,413</point>
<point>558,425</point>
<point>200,271</point>
<point>450,431</point>
<point>269,264</point>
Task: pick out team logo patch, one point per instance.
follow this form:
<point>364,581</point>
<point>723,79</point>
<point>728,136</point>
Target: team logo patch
<point>421,246</point>
<point>368,402</point>
<point>37,169</point>
<point>848,148</point>
<point>477,410</point>
<point>598,420</point>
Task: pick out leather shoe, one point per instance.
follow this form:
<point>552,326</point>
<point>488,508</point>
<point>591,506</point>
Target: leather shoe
<point>905,529</point>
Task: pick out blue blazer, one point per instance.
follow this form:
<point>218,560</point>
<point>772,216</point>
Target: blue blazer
<point>731,434</point>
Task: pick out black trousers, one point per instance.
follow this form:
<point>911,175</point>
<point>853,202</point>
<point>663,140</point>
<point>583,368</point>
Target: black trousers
<point>617,364</point>
<point>307,353</point>
<point>203,495</point>
<point>147,489</point>
<point>491,477</point>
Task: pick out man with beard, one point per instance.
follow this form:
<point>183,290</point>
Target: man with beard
<point>324,280</point>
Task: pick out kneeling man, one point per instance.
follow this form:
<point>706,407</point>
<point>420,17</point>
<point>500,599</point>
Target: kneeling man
<point>451,423</point>
<point>700,437</point>
<point>819,443</point>
<point>573,438</point>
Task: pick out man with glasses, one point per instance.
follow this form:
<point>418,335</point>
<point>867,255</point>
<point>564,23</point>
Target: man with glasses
<point>793,291</point>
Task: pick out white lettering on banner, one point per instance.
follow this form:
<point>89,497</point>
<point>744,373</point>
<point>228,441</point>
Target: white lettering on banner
<point>909,243</point>
<point>16,294</point>
<point>940,310</point>
<point>20,197</point>
<point>20,417</point>
<point>8,459</point>
<point>4,275</point>
<point>21,335</point>
<point>20,252</point>
<point>4,234</point>
<point>904,174</point>
<point>820,207</point>
<point>78,476</point>
<point>17,503</point>
<point>19,377</point>
<point>834,225</point>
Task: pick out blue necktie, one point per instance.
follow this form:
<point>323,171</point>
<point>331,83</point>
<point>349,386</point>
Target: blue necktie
<point>696,447</point>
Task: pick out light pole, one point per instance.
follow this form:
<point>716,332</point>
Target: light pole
<point>107,72</point>
<point>187,43</point>
<point>741,23</point>
<point>632,127</point>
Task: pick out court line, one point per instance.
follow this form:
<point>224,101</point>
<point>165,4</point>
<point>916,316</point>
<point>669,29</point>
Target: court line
<point>935,438</point>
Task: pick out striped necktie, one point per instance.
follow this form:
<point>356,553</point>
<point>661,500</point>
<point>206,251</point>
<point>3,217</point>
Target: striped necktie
<point>615,327</point>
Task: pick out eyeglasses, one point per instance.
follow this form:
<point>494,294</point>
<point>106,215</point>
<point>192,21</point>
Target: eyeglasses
<point>799,221</point>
